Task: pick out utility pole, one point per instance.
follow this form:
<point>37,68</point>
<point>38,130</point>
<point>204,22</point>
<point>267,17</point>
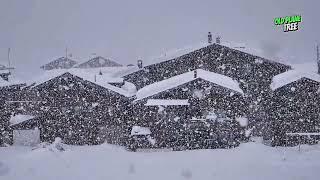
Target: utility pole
<point>9,63</point>
<point>66,53</point>
<point>318,58</point>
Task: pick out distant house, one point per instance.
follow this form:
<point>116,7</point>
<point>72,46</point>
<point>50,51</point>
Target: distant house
<point>5,72</point>
<point>295,107</point>
<point>177,108</point>
<point>97,62</point>
<point>76,107</point>
<point>60,63</point>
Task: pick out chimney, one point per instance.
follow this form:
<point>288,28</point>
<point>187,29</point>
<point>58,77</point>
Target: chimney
<point>195,74</point>
<point>318,59</point>
<point>209,37</point>
<point>218,40</point>
<point>140,63</point>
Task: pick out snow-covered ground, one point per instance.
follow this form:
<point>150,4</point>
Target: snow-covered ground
<point>249,161</point>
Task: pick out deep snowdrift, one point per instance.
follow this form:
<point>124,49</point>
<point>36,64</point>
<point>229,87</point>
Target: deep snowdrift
<point>249,161</point>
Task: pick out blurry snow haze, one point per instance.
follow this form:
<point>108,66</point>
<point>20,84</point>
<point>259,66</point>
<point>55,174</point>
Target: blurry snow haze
<point>39,31</point>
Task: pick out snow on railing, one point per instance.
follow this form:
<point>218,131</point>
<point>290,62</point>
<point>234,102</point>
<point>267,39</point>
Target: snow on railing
<point>167,102</point>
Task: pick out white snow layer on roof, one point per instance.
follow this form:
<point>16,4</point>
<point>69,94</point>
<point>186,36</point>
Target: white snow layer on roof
<point>175,81</point>
<point>19,118</point>
<point>91,75</point>
<point>174,53</point>
<point>290,76</point>
<point>12,81</point>
<point>4,83</point>
<point>167,102</point>
<point>311,67</point>
<point>138,130</point>
<point>244,48</point>
<point>4,71</point>
<point>129,87</point>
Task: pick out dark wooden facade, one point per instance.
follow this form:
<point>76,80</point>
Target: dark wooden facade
<point>295,108</point>
<point>7,93</point>
<point>73,109</point>
<point>172,126</point>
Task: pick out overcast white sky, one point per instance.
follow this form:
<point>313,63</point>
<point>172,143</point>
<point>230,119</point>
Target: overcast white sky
<point>38,31</point>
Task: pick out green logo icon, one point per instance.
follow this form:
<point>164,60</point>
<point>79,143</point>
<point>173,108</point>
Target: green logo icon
<point>289,23</point>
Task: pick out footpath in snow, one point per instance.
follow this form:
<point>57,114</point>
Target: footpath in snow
<point>249,161</point>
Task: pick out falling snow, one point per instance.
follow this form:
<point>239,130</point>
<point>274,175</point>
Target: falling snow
<point>213,97</point>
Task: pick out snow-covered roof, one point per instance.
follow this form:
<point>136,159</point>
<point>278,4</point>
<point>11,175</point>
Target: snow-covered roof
<point>310,67</point>
<point>138,130</point>
<point>123,70</point>
<point>101,80</point>
<point>175,81</point>
<point>243,47</point>
<point>4,71</point>
<point>171,54</point>
<point>167,102</point>
<point>174,53</point>
<point>129,87</point>
<point>290,76</point>
<point>60,63</point>
<point>98,61</point>
<point>19,118</point>
<point>4,83</point>
<point>12,81</point>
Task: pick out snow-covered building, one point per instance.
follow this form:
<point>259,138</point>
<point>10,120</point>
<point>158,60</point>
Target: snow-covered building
<point>60,63</point>
<point>74,105</point>
<point>170,106</point>
<point>97,62</point>
<point>199,97</point>
<point>295,106</point>
<point>253,73</point>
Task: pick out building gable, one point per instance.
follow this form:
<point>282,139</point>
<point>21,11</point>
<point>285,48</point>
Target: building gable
<point>215,58</point>
<point>179,80</point>
<point>61,63</point>
<point>98,62</point>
